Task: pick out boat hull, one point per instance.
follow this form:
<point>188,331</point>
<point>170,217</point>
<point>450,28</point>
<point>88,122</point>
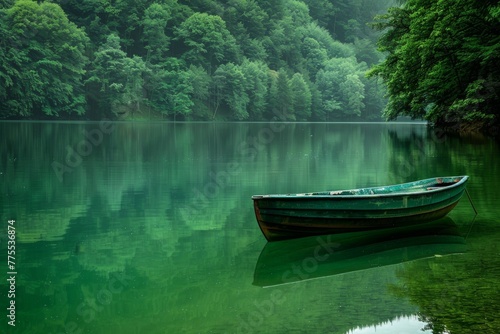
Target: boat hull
<point>292,216</point>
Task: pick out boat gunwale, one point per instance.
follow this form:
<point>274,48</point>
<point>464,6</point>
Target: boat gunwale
<point>322,195</point>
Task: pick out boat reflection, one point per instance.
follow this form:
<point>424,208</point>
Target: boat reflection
<point>290,261</point>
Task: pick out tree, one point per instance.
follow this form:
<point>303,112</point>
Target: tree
<point>341,88</point>
<point>317,112</point>
<point>322,11</point>
<point>301,97</point>
<point>352,94</point>
<point>274,8</point>
<point>170,88</point>
<point>249,15</point>
<point>247,23</point>
<point>284,44</point>
<point>43,57</point>
<point>441,60</point>
<point>280,95</point>
<point>208,41</point>
<point>156,41</point>
<point>298,11</point>
<point>229,87</point>
<point>116,81</point>
<point>314,56</point>
<point>7,71</point>
<point>328,86</point>
<point>253,49</point>
<point>256,87</point>
<point>133,94</point>
<point>375,98</point>
<point>201,82</point>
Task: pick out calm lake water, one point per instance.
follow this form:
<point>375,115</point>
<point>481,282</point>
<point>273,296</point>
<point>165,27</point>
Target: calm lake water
<point>149,228</point>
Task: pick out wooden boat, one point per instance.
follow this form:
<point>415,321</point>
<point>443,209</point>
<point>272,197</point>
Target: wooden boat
<point>299,215</point>
<point>295,260</point>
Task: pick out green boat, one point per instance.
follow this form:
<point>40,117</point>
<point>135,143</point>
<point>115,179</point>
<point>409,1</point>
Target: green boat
<point>290,216</point>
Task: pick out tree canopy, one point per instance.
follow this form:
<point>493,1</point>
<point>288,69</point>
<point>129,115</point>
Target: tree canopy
<point>42,61</point>
<point>442,61</point>
<point>189,60</point>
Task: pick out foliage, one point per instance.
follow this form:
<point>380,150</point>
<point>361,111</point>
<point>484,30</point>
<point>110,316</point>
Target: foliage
<point>42,62</point>
<point>169,88</point>
<point>301,97</point>
<point>442,60</point>
<point>155,39</point>
<point>115,79</point>
<point>256,85</point>
<point>207,40</point>
<point>179,59</point>
<point>341,88</point>
<point>229,83</point>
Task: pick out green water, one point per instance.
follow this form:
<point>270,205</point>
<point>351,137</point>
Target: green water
<point>149,228</point>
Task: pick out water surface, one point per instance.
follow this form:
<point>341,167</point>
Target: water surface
<point>149,228</point>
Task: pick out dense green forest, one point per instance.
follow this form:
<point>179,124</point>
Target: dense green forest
<point>443,62</point>
<point>251,60</point>
<point>190,60</point>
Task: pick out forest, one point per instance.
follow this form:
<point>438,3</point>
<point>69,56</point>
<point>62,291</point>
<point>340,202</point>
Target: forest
<point>190,60</point>
<point>253,60</point>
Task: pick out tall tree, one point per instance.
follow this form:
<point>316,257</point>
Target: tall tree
<point>256,87</point>
<point>201,82</point>
<point>43,55</point>
<point>229,84</point>
<point>156,41</point>
<point>280,95</point>
<point>301,97</point>
<point>116,81</point>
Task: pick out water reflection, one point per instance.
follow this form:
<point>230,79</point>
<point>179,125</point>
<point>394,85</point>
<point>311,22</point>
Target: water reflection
<point>295,260</point>
<point>166,208</point>
<point>407,324</point>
